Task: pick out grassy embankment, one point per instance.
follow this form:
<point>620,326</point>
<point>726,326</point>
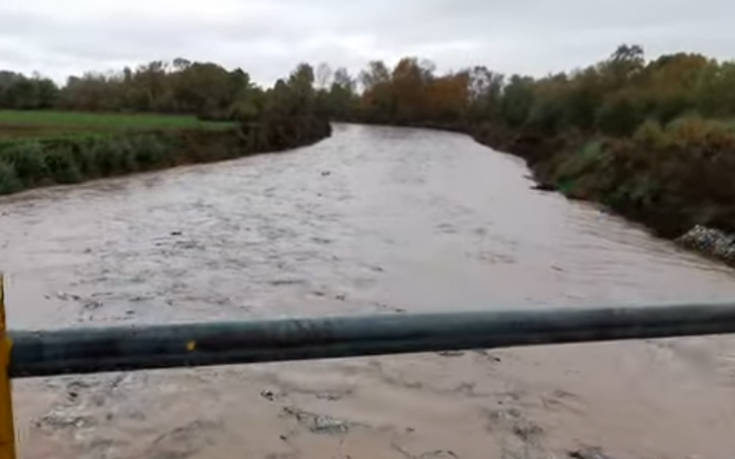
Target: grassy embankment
<point>39,148</point>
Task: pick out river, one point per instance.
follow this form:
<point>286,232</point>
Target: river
<point>371,220</point>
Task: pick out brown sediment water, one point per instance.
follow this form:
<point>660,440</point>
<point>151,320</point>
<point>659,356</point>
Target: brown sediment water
<point>372,220</point>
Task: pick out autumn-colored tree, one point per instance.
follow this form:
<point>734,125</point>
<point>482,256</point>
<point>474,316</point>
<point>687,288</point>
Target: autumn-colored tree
<point>410,81</point>
<point>448,97</point>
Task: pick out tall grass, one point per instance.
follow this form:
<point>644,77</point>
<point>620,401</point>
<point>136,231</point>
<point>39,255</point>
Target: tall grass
<point>29,163</point>
<point>673,176</point>
<point>32,162</point>
<point>9,181</point>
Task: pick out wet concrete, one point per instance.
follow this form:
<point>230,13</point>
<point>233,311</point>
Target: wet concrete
<point>373,220</point>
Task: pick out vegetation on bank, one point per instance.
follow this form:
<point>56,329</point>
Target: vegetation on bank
<point>672,177</point>
<point>203,89</point>
<point>31,162</point>
<point>45,147</point>
<point>28,163</point>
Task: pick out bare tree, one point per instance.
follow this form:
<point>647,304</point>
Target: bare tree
<point>323,75</point>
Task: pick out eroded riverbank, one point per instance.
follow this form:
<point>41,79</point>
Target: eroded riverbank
<point>372,220</point>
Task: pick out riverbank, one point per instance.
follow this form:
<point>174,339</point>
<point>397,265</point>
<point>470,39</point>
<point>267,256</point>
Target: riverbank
<point>73,158</point>
<point>613,172</point>
<point>653,140</point>
<point>676,181</point>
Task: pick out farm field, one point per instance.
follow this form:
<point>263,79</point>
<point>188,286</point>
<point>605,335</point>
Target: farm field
<point>43,123</point>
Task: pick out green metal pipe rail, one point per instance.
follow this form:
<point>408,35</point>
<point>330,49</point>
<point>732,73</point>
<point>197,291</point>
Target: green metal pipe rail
<point>87,350</point>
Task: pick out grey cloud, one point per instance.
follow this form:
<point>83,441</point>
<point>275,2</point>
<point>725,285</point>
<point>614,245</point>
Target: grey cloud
<point>268,39</point>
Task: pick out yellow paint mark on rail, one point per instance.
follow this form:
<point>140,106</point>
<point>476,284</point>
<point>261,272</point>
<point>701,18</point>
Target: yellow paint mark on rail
<point>7,430</point>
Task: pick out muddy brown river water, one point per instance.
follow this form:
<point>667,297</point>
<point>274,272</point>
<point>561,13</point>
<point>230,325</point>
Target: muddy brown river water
<point>372,220</point>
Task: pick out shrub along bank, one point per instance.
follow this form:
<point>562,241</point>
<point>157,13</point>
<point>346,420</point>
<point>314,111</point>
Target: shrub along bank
<point>670,177</point>
<point>28,163</point>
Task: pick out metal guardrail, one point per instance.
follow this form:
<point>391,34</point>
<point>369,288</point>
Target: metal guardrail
<point>90,350</point>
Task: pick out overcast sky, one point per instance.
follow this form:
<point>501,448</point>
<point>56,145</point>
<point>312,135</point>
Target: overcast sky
<point>268,38</point>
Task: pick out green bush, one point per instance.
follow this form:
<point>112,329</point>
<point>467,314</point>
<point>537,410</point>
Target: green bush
<point>151,151</point>
<point>27,158</point>
<point>651,135</point>
<point>694,130</point>
<point>590,155</point>
<point>547,114</point>
<point>87,159</point>
<point>620,115</point>
<point>9,181</point>
<point>62,166</point>
<point>128,155</point>
<point>74,158</point>
<point>638,190</point>
<point>109,156</point>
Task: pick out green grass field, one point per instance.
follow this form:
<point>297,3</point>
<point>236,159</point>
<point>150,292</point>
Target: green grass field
<point>42,123</point>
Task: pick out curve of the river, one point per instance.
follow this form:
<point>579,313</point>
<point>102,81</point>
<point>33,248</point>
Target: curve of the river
<point>372,220</point>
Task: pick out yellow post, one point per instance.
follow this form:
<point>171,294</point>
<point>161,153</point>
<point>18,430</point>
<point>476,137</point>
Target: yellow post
<point>7,432</point>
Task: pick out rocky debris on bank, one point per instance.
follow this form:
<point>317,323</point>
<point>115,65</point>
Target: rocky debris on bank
<point>545,186</point>
<point>710,241</point>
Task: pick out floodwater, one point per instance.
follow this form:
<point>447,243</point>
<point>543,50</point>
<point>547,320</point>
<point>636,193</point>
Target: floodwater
<point>372,220</point>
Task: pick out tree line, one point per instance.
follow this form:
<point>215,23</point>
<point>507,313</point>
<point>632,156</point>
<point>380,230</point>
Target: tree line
<point>181,86</point>
<point>613,96</point>
<point>20,92</point>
